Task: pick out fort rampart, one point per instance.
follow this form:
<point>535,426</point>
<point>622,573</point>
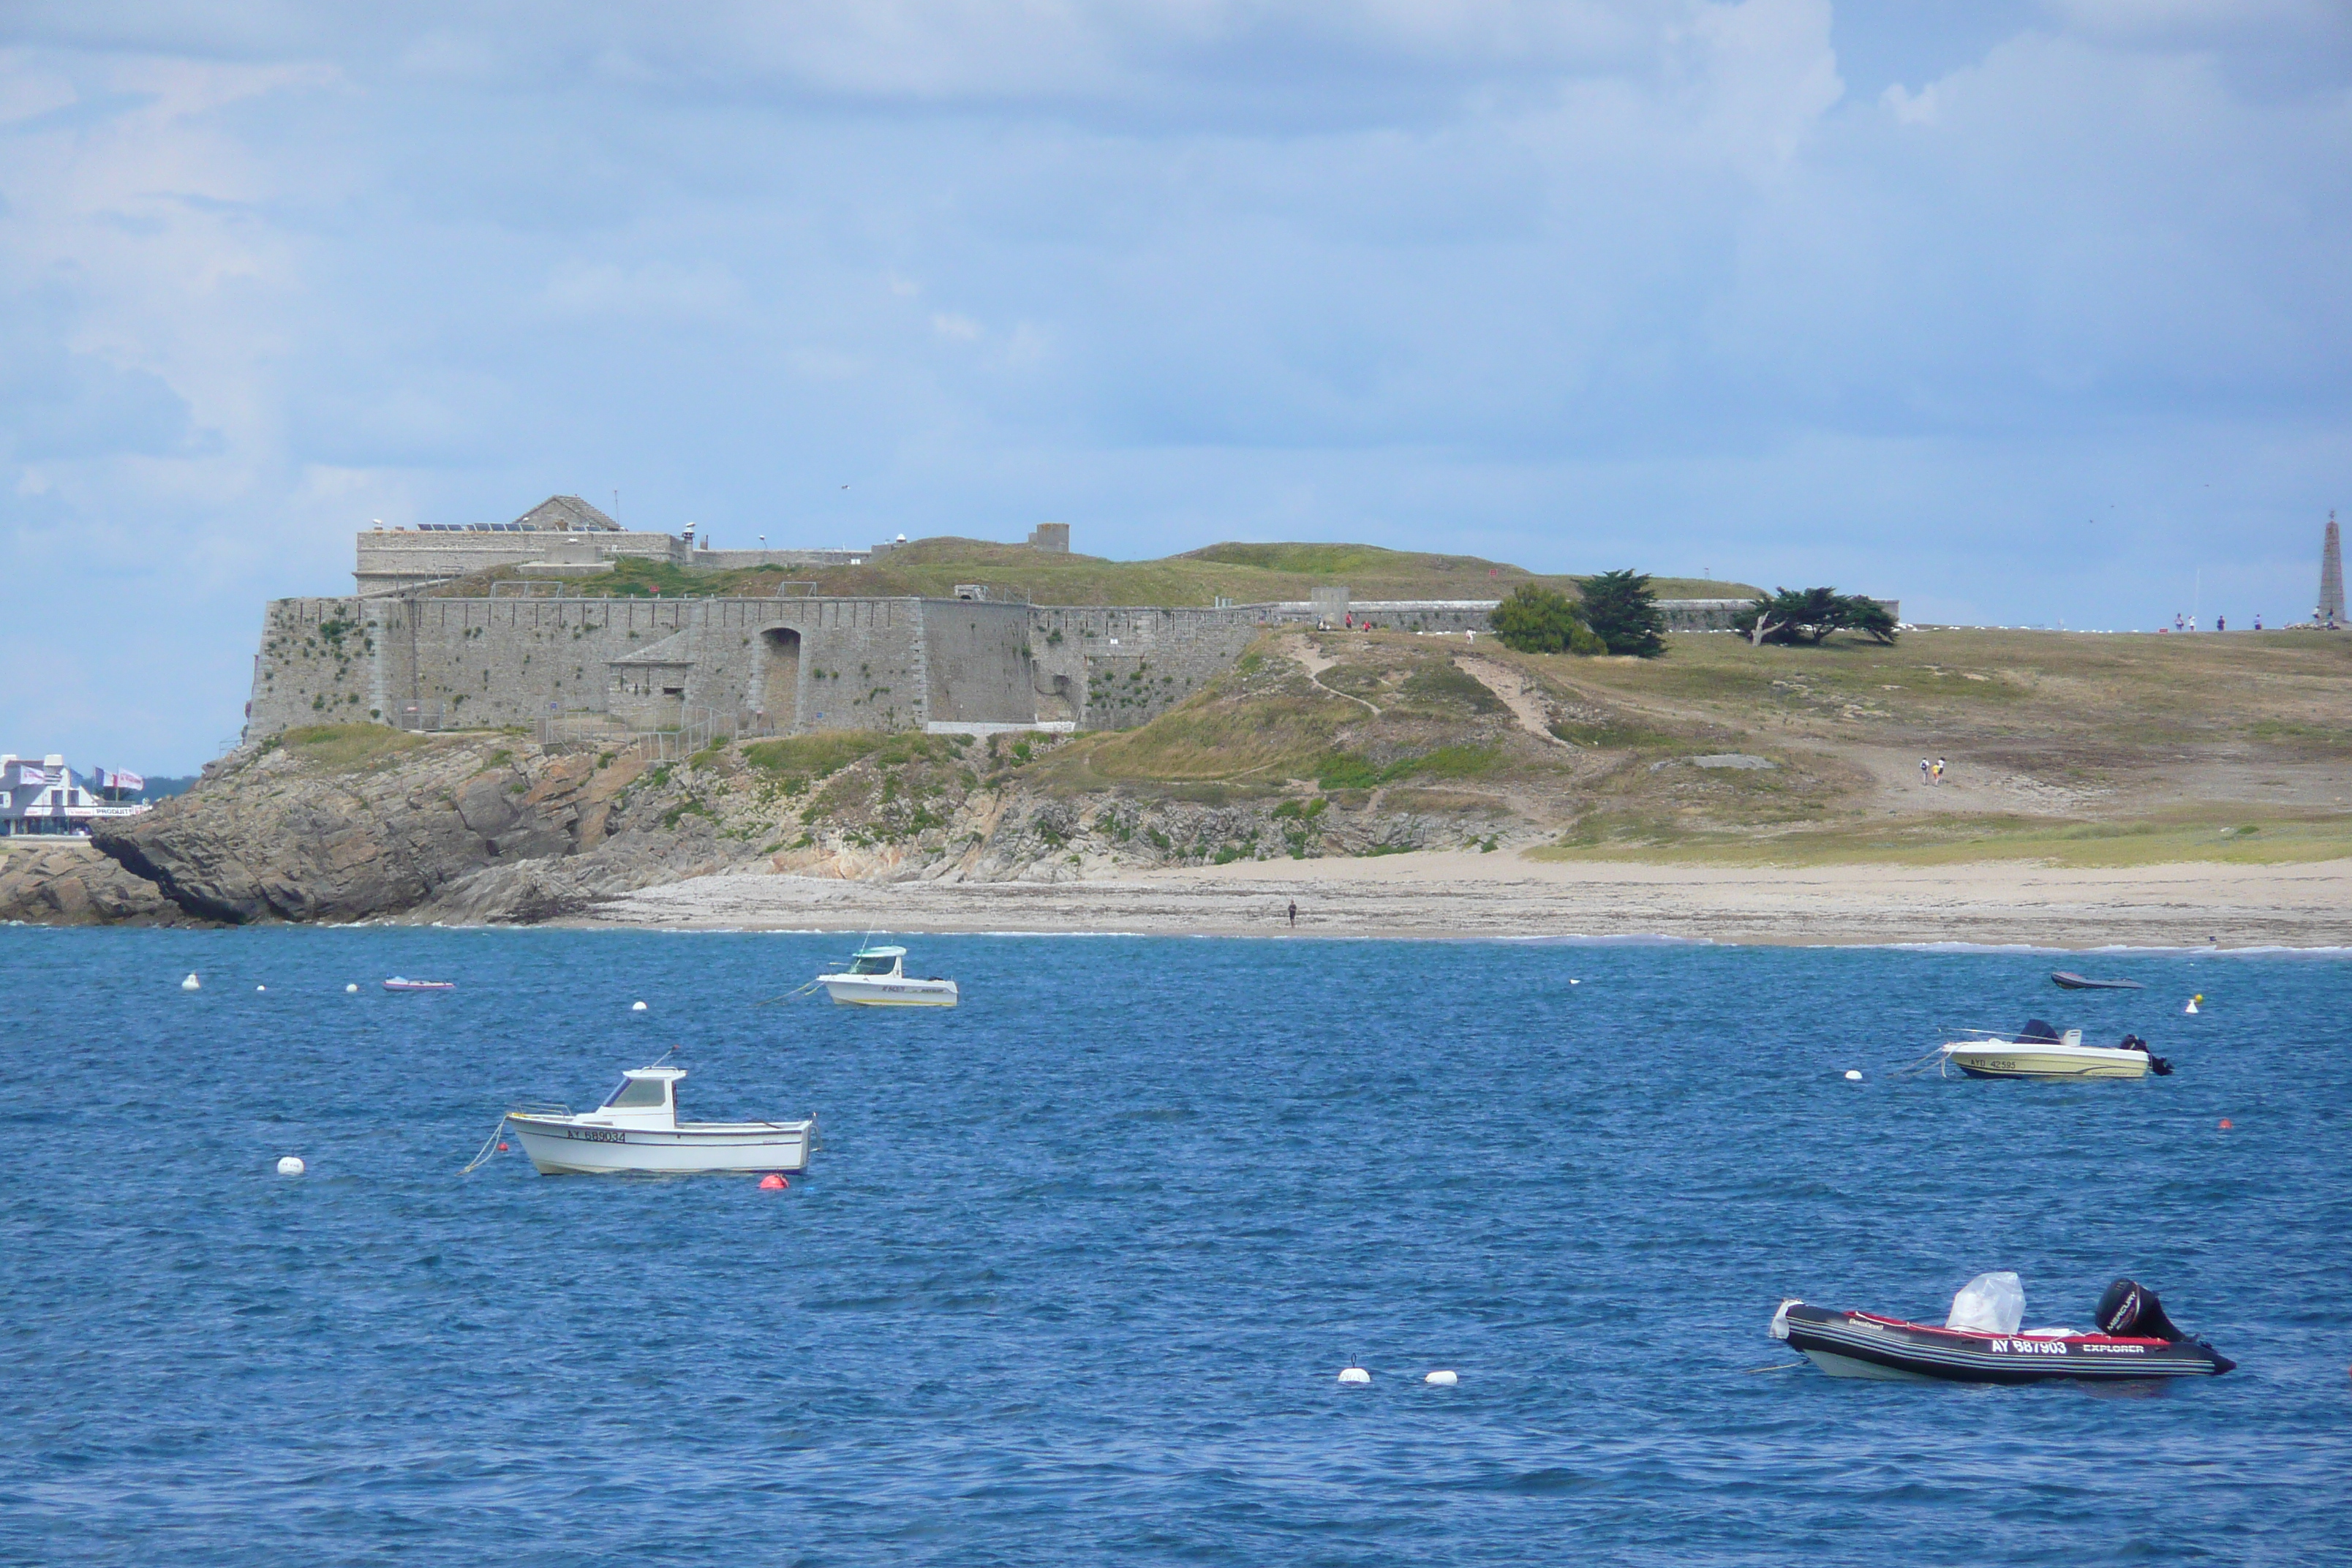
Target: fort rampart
<point>778,666</point>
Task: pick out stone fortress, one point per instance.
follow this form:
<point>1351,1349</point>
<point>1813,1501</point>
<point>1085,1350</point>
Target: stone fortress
<point>577,667</point>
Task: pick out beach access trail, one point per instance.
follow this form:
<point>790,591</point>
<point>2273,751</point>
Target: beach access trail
<point>1460,894</point>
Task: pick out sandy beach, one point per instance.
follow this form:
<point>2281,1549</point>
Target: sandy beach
<point>1456,894</point>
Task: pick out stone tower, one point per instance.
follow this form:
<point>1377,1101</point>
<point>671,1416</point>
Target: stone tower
<point>2331,576</point>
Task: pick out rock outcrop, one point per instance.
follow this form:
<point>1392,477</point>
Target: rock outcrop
<point>359,822</point>
<point>66,882</point>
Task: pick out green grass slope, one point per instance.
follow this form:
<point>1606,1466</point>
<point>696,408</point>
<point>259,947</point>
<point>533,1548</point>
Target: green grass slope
<point>2070,748</point>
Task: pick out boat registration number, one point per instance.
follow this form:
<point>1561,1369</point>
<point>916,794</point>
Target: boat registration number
<point>2029,1347</point>
<point>596,1134</point>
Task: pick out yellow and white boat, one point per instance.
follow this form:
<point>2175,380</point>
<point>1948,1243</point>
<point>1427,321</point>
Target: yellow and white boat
<point>2038,1051</point>
<point>877,977</point>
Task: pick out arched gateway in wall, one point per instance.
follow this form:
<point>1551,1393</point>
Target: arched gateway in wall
<point>779,680</point>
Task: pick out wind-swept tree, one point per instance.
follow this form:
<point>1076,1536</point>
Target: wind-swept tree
<point>1792,615</point>
<point>1536,620</point>
<point>1623,613</point>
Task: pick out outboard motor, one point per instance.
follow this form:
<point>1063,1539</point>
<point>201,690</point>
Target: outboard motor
<point>2156,1064</point>
<point>2131,1310</point>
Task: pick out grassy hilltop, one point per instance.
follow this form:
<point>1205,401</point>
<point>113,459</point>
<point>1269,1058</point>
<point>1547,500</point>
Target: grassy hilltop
<point>1245,573</point>
<point>2079,748</point>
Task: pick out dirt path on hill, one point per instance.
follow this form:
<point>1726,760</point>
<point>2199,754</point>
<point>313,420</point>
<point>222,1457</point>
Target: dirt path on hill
<point>1314,663</point>
<point>1515,691</point>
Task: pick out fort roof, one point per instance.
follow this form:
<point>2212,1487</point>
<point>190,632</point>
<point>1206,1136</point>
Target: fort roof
<point>566,514</point>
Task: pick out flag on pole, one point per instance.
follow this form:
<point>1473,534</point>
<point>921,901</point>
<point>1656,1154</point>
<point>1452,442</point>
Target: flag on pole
<point>116,778</point>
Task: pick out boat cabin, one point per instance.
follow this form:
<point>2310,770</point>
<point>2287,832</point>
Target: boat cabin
<point>647,1098</point>
<point>881,962</point>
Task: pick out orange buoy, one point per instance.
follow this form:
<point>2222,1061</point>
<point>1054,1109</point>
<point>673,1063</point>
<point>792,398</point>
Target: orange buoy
<point>2225,1124</point>
<point>772,1183</point>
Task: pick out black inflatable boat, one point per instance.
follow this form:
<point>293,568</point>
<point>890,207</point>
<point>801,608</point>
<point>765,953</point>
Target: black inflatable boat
<point>2136,1342</point>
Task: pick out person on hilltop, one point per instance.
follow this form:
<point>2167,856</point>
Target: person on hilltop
<point>1939,769</point>
<point>1923,772</point>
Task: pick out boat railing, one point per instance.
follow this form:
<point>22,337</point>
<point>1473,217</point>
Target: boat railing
<point>539,1107</point>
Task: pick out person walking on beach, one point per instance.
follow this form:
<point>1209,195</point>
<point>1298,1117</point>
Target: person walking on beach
<point>1294,914</point>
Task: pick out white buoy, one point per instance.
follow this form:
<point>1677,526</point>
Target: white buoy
<point>351,990</point>
<point>2191,1008</point>
<point>1576,982</point>
<point>1354,1374</point>
<point>192,983</point>
<point>261,988</point>
<point>291,1165</point>
<point>1442,1378</point>
<point>636,1006</point>
<point>1852,1075</point>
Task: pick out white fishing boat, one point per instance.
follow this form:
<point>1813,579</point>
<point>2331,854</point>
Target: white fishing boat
<point>877,977</point>
<point>2038,1051</point>
<point>637,1129</point>
<point>402,982</point>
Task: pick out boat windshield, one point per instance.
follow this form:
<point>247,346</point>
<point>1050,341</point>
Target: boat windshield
<point>872,965</point>
<point>639,1094</point>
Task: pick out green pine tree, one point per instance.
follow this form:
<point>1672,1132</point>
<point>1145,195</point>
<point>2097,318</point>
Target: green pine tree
<point>1623,613</point>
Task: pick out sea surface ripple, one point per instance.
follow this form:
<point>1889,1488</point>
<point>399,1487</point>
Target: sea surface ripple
<point>1077,1263</point>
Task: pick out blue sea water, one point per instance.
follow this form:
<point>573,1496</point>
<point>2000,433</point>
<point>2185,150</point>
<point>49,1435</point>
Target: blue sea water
<point>1072,1276</point>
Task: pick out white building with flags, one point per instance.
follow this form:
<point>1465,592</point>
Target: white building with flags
<point>45,797</point>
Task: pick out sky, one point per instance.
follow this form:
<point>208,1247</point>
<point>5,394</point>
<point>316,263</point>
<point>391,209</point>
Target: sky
<point>2023,311</point>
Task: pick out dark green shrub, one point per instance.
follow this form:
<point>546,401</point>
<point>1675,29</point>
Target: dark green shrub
<point>1536,620</point>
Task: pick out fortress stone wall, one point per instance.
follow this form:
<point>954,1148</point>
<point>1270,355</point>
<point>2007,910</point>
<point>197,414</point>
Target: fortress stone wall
<point>764,665</point>
<point>774,666</point>
<point>770,665</point>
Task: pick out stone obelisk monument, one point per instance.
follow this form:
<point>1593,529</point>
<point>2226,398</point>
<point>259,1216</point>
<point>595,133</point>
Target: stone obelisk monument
<point>2331,577</point>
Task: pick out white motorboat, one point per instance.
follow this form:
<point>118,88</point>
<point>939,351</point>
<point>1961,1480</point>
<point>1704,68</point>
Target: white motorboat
<point>402,982</point>
<point>2038,1051</point>
<point>637,1129</point>
<point>877,977</point>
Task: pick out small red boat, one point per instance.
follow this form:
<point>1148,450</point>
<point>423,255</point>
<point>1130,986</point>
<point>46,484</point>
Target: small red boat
<point>399,983</point>
<point>2136,1342</point>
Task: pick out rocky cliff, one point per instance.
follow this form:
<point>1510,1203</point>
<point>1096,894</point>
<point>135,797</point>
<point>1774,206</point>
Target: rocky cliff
<point>66,882</point>
<point>354,821</point>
